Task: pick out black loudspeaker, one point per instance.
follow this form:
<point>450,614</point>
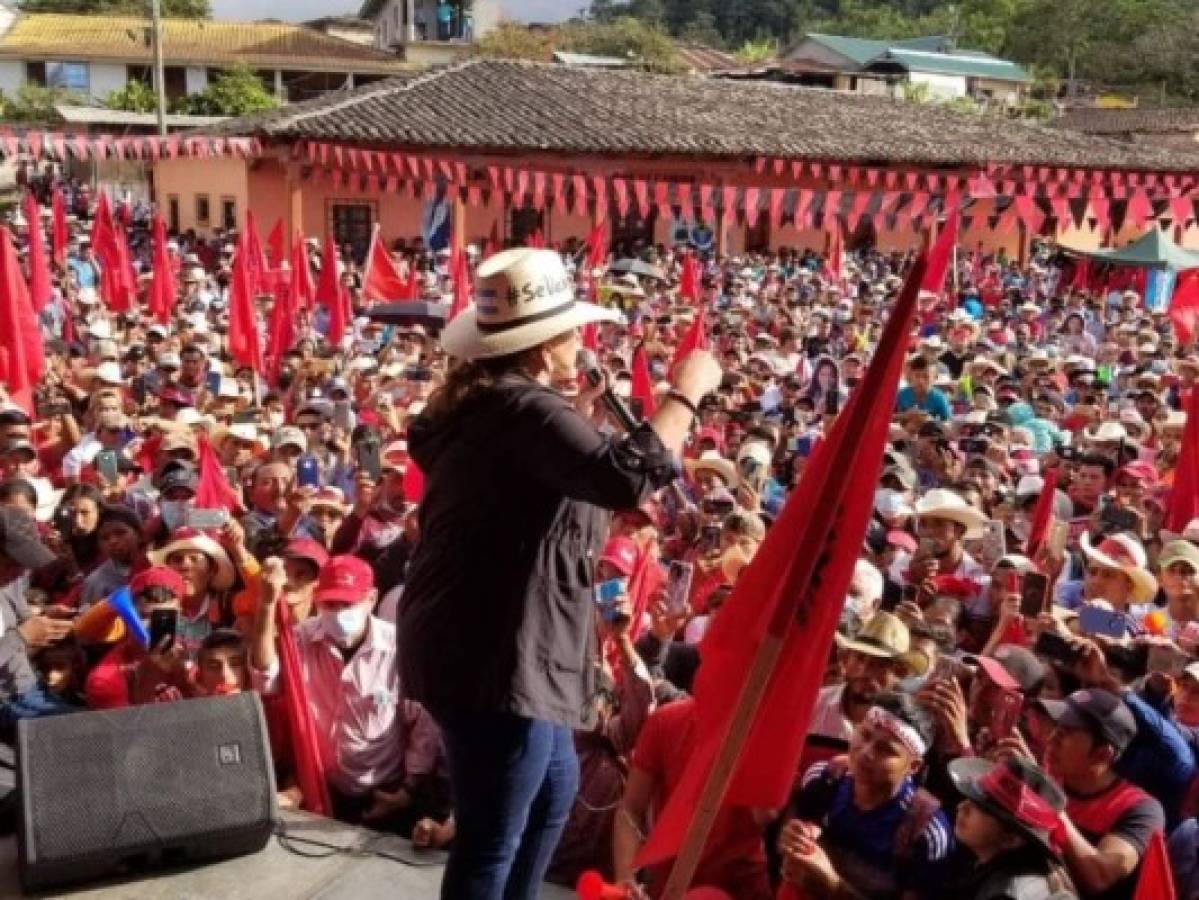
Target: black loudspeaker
<point>162,784</point>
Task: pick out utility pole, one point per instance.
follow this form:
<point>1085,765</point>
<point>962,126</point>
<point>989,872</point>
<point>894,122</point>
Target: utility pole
<point>160,88</point>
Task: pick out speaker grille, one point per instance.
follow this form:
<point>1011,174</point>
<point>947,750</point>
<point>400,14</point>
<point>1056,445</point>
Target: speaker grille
<point>191,778</point>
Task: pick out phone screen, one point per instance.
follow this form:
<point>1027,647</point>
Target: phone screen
<point>1034,595</point>
<point>678,585</point>
<point>164,624</point>
<point>1005,713</point>
<point>106,465</point>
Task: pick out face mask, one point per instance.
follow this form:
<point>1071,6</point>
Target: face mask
<point>1020,528</point>
<point>345,624</point>
<point>913,683</point>
<point>174,513</point>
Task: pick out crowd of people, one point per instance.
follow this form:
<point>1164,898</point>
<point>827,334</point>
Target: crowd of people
<point>996,721</point>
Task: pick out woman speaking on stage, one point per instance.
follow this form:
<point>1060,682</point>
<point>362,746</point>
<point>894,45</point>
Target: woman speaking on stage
<point>497,620</point>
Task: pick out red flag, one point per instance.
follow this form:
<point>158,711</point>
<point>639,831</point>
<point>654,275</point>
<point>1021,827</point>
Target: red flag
<point>1156,881</point>
<point>597,246</point>
<point>647,579</point>
<point>1184,306</point>
<point>460,273</point>
<point>785,607</point>
<point>696,338</point>
<point>643,385</point>
<point>118,283</point>
<point>382,281</point>
<point>163,295</point>
<point>244,344</point>
<point>39,266</point>
<point>305,743</point>
<point>1042,517</point>
<point>302,290</point>
<point>275,244</point>
<point>1184,494</point>
<point>213,490</point>
<point>934,275</point>
<point>328,293</point>
<point>21,360</point>
<point>281,332</point>
<point>689,279</point>
<point>835,270</point>
<point>58,232</point>
<point>256,262</point>
<point>414,482</point>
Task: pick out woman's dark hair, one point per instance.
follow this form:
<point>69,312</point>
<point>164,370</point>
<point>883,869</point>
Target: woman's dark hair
<point>223,639</point>
<point>468,380</point>
<point>18,488</point>
<point>83,492</point>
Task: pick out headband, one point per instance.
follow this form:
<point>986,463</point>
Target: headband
<point>897,728</point>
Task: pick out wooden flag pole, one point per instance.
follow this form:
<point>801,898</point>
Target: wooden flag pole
<point>700,828</point>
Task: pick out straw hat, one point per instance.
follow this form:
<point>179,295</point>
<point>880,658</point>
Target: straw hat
<point>189,539</point>
<point>1124,553</point>
<point>713,462</point>
<point>942,504</point>
<point>886,637</point>
<point>524,297</point>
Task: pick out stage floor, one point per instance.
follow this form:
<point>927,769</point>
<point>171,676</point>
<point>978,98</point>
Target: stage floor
<point>362,866</point>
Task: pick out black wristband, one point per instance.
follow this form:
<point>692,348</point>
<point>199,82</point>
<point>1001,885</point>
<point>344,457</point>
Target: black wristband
<point>678,397</point>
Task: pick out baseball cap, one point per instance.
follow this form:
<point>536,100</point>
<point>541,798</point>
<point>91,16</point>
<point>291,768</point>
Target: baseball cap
<point>621,554</point>
<point>307,549</point>
<point>1013,668</point>
<point>289,436</point>
<point>19,540</point>
<point>1099,712</point>
<point>344,579</point>
<point>179,475</point>
<point>157,576</point>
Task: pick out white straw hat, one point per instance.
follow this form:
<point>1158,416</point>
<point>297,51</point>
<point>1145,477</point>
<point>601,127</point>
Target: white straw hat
<point>524,297</point>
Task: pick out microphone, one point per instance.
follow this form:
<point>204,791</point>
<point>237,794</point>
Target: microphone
<point>586,360</point>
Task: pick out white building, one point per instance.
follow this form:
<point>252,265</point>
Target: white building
<point>429,32</point>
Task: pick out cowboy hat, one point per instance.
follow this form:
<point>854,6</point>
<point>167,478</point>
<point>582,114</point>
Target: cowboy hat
<point>886,637</point>
<point>242,431</point>
<point>1108,432</point>
<point>942,504</point>
<point>1124,553</point>
<point>713,462</point>
<point>189,539</point>
<point>1016,792</point>
<point>524,297</point>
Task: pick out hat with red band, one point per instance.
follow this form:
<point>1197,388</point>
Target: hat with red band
<point>157,577</point>
<point>1016,792</point>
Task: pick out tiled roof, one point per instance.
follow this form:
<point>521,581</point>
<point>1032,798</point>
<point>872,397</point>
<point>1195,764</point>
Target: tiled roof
<point>523,107</point>
<point>703,60</point>
<point>1132,121</point>
<point>972,65</point>
<point>189,42</point>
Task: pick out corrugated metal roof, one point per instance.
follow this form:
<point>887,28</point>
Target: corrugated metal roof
<point>971,65</point>
<point>567,58</point>
<point>276,45</point>
<point>862,50</point>
<point>91,115</point>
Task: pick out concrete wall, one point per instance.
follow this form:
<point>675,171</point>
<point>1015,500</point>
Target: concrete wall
<point>106,78</point>
<point>12,75</point>
<point>188,178</point>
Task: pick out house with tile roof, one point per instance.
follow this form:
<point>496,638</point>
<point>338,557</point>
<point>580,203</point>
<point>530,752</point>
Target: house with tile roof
<point>517,147</point>
<point>431,32</point>
<point>1169,126</point>
<point>880,67</point>
<point>92,56</point>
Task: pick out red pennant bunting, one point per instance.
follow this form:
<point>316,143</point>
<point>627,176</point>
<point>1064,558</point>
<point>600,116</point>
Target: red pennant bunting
<point>752,197</point>
<point>620,191</point>
<point>641,192</point>
<point>579,183</point>
<point>662,197</point>
<point>539,190</point>
<point>728,201</point>
<point>777,195</point>
<point>600,186</point>
<point>705,203</point>
<point>558,185</point>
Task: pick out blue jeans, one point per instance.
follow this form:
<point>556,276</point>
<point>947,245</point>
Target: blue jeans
<point>32,704</point>
<point>514,781</point>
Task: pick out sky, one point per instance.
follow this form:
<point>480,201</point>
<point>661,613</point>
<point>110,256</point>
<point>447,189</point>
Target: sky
<point>299,10</point>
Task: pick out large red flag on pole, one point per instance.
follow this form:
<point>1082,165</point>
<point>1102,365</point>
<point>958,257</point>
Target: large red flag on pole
<point>281,330</point>
<point>244,344</point>
<point>1184,493</point>
<point>642,388</point>
<point>58,231</point>
<point>696,338</point>
<point>689,279</point>
<point>256,262</point>
<point>382,280</point>
<point>213,490</point>
<point>305,742</point>
<point>1184,306</point>
<point>39,267</point>
<point>21,359</point>
<point>302,290</point>
<point>163,294</point>
<point>934,278</point>
<point>460,273</point>
<point>1156,881</point>
<point>275,244</point>
<point>764,656</point>
<point>328,293</point>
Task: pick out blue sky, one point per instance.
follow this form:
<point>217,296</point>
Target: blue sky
<point>299,10</point>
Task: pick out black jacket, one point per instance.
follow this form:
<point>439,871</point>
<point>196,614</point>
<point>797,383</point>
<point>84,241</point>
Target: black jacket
<point>497,613</point>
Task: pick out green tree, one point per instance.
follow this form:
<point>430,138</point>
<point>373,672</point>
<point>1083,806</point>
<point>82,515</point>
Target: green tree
<point>512,40</point>
<point>33,103</point>
<point>702,30</point>
<point>135,96</point>
<point>757,51</point>
<point>235,92</point>
<point>624,37</point>
<point>174,9</point>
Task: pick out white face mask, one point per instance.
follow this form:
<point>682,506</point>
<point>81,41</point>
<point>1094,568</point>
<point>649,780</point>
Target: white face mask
<point>345,624</point>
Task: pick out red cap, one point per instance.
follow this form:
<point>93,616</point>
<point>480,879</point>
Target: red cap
<point>621,554</point>
<point>157,576</point>
<point>344,579</point>
<point>998,673</point>
<point>307,548</point>
<point>1139,470</point>
<point>902,540</point>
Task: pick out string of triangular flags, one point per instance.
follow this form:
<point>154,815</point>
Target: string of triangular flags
<point>60,146</point>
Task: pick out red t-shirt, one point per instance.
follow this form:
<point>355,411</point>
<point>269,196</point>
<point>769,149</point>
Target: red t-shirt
<point>735,860</point>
